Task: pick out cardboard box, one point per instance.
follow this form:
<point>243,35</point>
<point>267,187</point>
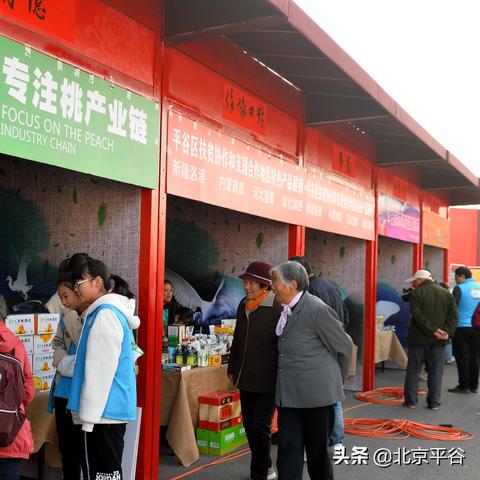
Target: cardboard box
<point>176,333</point>
<point>215,399</point>
<point>225,441</point>
<point>27,341</point>
<point>202,440</point>
<point>42,362</point>
<point>43,380</point>
<point>223,425</point>
<point>46,322</point>
<point>22,324</point>
<point>214,360</point>
<point>219,398</point>
<point>42,343</point>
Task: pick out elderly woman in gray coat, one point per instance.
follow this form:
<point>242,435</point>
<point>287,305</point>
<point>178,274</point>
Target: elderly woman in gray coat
<point>314,359</point>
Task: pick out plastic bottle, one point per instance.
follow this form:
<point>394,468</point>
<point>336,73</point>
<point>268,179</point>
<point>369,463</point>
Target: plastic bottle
<point>179,355</point>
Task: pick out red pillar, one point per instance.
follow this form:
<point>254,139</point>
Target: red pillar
<point>417,262</point>
<point>446,266</point>
<point>369,324</point>
<point>296,240</point>
<point>147,299</point>
<point>151,276</point>
<point>370,310</point>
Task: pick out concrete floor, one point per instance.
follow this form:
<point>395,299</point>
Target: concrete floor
<point>462,411</point>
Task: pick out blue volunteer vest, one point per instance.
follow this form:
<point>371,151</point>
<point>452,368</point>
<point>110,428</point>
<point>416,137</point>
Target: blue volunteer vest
<point>468,302</point>
<point>122,400</point>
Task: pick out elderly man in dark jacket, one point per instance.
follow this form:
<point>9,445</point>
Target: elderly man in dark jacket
<point>434,319</point>
<point>314,359</point>
<point>324,290</point>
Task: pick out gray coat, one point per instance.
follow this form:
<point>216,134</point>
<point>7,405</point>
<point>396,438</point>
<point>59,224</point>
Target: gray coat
<point>314,356</point>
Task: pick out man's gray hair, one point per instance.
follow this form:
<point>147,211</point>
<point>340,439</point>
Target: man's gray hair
<point>289,271</point>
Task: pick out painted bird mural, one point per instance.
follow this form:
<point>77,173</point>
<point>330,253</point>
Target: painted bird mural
<point>223,305</point>
<point>20,284</point>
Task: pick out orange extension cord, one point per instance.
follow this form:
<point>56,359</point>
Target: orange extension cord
<point>398,429</point>
<point>384,396</point>
<point>374,428</point>
<point>227,458</point>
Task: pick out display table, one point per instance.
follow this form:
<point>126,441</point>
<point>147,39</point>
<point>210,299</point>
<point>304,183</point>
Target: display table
<point>388,347</point>
<point>44,429</point>
<point>179,406</point>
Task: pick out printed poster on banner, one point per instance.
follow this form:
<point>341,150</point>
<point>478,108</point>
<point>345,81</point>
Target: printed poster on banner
<point>53,113</point>
<point>210,166</point>
<point>398,219</point>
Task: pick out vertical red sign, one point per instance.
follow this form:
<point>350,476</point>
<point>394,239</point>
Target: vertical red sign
<point>400,188</point>
<point>244,109</point>
<point>344,161</point>
<point>56,17</point>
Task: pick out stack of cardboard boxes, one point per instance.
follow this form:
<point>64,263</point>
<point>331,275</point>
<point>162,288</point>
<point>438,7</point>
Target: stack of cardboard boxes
<point>220,428</point>
<point>36,331</point>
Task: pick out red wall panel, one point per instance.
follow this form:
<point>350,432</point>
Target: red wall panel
<point>91,29</point>
<point>436,202</point>
<point>463,236</point>
<point>201,89</point>
<point>385,183</point>
<point>319,151</point>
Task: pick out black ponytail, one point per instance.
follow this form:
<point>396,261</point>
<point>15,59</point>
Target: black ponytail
<point>96,268</point>
<point>120,286</point>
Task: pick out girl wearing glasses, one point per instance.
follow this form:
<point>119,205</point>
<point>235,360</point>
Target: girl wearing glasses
<point>103,390</point>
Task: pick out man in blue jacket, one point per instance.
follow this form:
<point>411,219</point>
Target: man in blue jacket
<point>466,342</point>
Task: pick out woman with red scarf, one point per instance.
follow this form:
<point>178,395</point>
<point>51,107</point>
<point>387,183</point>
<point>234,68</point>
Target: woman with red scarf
<point>253,364</point>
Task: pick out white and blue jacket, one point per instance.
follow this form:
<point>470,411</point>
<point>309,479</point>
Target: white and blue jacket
<point>103,388</point>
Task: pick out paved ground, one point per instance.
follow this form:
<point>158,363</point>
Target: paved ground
<point>459,410</point>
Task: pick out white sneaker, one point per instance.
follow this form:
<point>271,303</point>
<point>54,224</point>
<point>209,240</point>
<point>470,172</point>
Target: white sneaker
<point>337,449</point>
<point>271,474</point>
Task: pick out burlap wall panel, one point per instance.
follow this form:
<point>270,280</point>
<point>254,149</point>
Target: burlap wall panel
<point>49,213</point>
<point>433,259</point>
<point>205,242</point>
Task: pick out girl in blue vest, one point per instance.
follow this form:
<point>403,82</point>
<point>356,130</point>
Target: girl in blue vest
<point>103,390</point>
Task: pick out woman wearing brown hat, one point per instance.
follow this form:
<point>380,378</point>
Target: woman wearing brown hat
<point>253,364</point>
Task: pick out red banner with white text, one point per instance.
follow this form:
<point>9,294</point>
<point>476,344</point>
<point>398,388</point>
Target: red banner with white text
<point>207,165</point>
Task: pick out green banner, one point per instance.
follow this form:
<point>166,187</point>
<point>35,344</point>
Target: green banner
<point>53,113</point>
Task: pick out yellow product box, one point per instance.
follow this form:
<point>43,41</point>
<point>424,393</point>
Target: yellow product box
<point>21,324</point>
<point>42,342</point>
<point>43,380</point>
<point>214,360</point>
<point>42,362</point>
<point>46,322</point>
<point>27,341</point>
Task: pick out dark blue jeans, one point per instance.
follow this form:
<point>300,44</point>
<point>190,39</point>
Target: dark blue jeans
<point>10,468</point>
<point>338,431</point>
<point>434,358</point>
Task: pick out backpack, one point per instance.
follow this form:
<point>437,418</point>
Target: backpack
<point>476,317</point>
<point>12,392</point>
